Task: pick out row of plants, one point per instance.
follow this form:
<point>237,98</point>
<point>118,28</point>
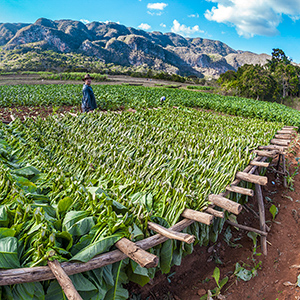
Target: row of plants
<point>200,87</point>
<point>73,76</point>
<point>110,97</point>
<point>76,185</point>
<point>78,76</point>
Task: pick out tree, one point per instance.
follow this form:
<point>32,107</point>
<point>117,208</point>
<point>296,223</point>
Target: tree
<point>284,73</point>
<point>278,57</point>
<point>254,81</point>
<point>227,77</point>
<point>279,78</point>
<point>287,79</point>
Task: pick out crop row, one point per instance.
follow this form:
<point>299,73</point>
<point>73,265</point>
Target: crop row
<point>111,97</point>
<point>75,185</point>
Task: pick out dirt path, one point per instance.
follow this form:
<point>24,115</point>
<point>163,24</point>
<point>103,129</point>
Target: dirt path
<point>7,114</point>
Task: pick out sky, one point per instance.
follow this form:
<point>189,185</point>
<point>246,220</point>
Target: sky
<point>250,25</point>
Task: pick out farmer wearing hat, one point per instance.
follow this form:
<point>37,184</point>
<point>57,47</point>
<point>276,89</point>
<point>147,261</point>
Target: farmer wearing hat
<point>88,99</point>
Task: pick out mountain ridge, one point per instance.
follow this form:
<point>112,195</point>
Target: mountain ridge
<point>115,43</point>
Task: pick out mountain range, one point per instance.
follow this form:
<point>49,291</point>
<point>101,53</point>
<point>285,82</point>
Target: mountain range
<point>127,46</point>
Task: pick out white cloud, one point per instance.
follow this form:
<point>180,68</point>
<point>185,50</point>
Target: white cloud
<point>144,26</point>
<point>253,17</point>
<point>157,6</point>
<point>155,13</point>
<point>194,16</point>
<point>184,30</point>
<point>85,21</point>
<point>163,25</point>
<point>107,22</point>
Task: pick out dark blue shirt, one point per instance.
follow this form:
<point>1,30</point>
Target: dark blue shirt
<point>88,99</point>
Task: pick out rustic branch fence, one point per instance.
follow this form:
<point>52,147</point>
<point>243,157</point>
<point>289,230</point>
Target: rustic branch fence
<point>137,251</point>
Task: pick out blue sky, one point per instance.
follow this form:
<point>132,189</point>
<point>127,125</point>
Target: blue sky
<point>253,25</point>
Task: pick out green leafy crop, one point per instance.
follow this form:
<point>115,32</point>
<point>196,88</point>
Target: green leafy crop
<point>76,185</point>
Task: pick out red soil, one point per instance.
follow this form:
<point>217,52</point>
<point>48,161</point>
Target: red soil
<point>22,112</point>
<point>194,277</point>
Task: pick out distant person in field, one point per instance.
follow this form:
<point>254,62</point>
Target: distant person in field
<point>88,99</point>
<point>162,99</point>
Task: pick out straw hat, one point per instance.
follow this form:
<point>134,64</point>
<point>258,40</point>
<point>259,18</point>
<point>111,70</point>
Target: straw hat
<point>87,76</point>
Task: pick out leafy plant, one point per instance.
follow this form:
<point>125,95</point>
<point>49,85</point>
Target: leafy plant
<point>220,284</point>
<point>77,184</point>
<point>227,238</point>
<point>274,211</point>
<point>290,176</point>
<point>245,274</point>
<point>110,97</point>
<point>216,276</point>
<point>253,236</point>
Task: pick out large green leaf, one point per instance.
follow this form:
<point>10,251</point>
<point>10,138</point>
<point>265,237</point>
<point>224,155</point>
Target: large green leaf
<point>27,172</point>
<point>137,233</point>
<point>117,292</point>
<point>5,232</point>
<point>108,276</point>
<point>9,253</point>
<point>138,274</point>
<point>3,216</point>
<point>7,292</point>
<point>64,204</point>
<point>96,190</point>
<point>81,283</point>
<point>177,255</point>
<point>55,292</point>
<point>166,255</point>
<point>96,248</point>
<point>84,286</point>
<point>82,227</point>
<point>82,243</point>
<point>96,277</point>
<point>39,293</point>
<point>72,217</point>
<point>64,240</point>
<point>242,273</point>
<point>119,208</point>
<point>28,291</point>
<point>25,184</point>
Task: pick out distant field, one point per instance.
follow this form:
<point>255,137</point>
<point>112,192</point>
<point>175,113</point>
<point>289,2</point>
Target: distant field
<point>76,78</point>
<point>115,97</point>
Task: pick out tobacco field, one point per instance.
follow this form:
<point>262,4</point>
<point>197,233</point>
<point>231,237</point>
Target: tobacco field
<point>77,184</point>
<point>113,97</point>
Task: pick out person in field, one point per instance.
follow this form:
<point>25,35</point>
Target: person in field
<point>162,99</point>
<point>88,99</point>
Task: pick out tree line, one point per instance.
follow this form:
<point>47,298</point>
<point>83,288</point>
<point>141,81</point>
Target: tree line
<point>277,80</point>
